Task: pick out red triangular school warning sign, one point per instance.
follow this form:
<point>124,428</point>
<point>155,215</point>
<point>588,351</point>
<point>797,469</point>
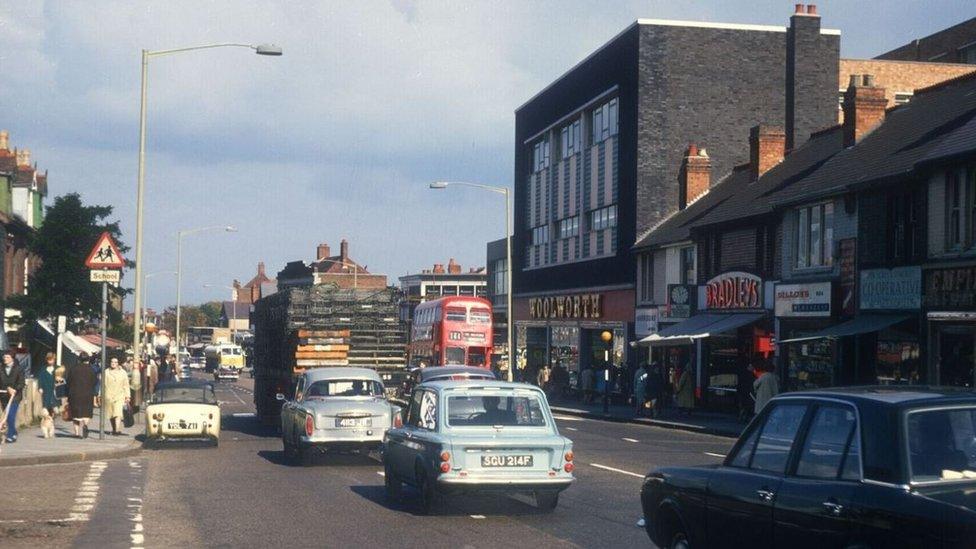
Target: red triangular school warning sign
<point>105,254</point>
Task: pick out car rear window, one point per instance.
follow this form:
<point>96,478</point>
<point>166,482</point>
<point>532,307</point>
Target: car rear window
<point>344,387</point>
<point>942,444</point>
<point>495,410</point>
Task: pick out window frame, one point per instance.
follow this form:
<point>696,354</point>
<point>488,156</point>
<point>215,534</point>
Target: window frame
<point>954,223</point>
<point>683,257</point>
<point>806,258</point>
<point>562,232</point>
<point>540,235</point>
<point>604,217</point>
<point>646,264</point>
<point>855,434</point>
<point>604,121</point>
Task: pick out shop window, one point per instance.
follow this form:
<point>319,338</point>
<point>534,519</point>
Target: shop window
<point>565,351</point>
<point>815,236</point>
<point>688,271</point>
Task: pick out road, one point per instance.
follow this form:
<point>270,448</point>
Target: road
<point>244,494</point>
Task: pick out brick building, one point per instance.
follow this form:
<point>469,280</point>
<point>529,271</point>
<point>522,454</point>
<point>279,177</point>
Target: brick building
<point>340,270</point>
<point>898,78</point>
<point>598,151</point>
<point>956,44</point>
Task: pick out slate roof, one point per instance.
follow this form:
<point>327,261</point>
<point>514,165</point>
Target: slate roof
<point>937,122</point>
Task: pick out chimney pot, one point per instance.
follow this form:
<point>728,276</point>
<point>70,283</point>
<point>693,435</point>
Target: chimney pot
<point>323,251</point>
<point>438,268</point>
<point>692,149</point>
<point>23,157</point>
<point>799,8</point>
<point>344,250</point>
<point>261,268</point>
<point>4,140</point>
<point>811,9</point>
<point>694,178</point>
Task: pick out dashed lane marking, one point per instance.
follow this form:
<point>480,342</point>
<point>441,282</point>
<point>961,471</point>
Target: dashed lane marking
<point>567,418</point>
<point>571,428</point>
<point>243,414</point>
<point>381,473</point>
<point>478,517</point>
<point>713,454</point>
<point>615,470</point>
<point>630,439</point>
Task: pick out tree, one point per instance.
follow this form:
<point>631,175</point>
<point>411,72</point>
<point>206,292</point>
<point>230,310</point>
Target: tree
<point>61,285</point>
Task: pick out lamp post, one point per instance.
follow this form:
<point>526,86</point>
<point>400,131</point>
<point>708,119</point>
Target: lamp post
<point>179,270</point>
<point>508,259</point>
<point>145,285</point>
<point>262,49</point>
<point>607,337</point>
<point>233,297</point>
<point>347,265</point>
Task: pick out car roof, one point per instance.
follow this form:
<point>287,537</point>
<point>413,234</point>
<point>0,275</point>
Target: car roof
<point>433,371</point>
<point>442,385</point>
<point>189,384</point>
<point>319,374</point>
<point>889,395</point>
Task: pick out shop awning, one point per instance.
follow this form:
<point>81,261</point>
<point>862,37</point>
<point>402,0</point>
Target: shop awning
<point>861,324</point>
<point>698,327</point>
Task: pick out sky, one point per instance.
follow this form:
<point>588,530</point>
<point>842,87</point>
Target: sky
<point>339,137</point>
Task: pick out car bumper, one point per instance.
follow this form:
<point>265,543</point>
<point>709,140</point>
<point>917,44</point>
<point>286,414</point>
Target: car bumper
<point>497,484</point>
<point>340,441</point>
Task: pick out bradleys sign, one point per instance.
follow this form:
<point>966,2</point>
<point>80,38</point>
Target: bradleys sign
<point>581,306</point>
<point>734,290</point>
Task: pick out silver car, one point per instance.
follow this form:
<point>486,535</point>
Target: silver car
<point>478,436</point>
<point>335,409</point>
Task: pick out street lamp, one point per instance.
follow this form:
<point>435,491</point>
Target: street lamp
<point>179,269</point>
<point>260,49</point>
<point>508,258</point>
<point>145,285</point>
<point>347,265</point>
<point>233,297</point>
<point>607,337</point>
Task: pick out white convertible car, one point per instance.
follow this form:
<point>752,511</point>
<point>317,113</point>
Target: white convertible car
<point>185,411</point>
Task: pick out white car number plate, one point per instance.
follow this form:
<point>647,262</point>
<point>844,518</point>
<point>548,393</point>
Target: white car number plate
<point>353,422</point>
<point>183,426</point>
<point>506,461</point>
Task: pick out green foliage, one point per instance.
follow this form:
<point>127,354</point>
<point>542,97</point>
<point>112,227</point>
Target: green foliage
<point>212,310</point>
<point>61,284</point>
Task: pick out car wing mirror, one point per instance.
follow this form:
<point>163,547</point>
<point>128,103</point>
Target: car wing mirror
<point>279,396</point>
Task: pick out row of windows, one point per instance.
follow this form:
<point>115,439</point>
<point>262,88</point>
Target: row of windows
<point>686,271</point>
<point>960,209</point>
<point>815,236</point>
<point>540,235</point>
<point>603,123</point>
<point>603,218</point>
<point>568,227</point>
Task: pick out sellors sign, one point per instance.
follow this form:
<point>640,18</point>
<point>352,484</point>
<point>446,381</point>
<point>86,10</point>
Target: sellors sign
<point>566,306</point>
<point>734,290</point>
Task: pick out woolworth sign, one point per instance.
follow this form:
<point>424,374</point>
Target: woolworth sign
<point>578,306</point>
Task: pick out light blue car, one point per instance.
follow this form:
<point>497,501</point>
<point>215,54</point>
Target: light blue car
<point>478,436</point>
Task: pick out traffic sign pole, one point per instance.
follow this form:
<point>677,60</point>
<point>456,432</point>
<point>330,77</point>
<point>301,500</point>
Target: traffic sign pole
<point>101,386</point>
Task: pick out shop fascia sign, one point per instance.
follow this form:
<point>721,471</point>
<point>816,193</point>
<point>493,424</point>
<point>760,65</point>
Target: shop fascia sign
<point>951,288</point>
<point>734,290</point>
<point>568,307</point>
<point>803,300</point>
<point>891,289</point>
<point>645,321</point>
<point>681,301</point>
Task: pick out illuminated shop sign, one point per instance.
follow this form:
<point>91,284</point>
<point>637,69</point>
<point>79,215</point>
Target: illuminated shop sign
<point>734,290</point>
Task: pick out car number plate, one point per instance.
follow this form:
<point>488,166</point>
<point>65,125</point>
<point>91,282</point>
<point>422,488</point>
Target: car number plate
<point>353,422</point>
<point>506,461</point>
<point>183,426</point>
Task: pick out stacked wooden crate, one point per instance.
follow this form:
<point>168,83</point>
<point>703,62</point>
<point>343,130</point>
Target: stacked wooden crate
<point>315,348</point>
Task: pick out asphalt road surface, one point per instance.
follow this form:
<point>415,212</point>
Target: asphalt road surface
<point>245,494</point>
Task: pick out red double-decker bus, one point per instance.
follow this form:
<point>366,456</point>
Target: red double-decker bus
<point>451,330</point>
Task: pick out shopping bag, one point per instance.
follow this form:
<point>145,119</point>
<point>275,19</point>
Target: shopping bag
<point>127,419</point>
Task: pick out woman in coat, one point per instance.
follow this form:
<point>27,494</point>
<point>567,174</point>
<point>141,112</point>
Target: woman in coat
<point>684,391</point>
<point>81,396</point>
<point>117,394</point>
<point>45,382</point>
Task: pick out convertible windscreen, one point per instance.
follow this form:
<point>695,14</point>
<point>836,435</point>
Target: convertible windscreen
<point>203,395</point>
<point>942,444</point>
<point>344,387</point>
<point>492,410</point>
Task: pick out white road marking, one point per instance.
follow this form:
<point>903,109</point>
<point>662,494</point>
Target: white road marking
<point>567,418</point>
<point>630,439</point>
<point>615,470</point>
<point>571,428</point>
<point>713,454</point>
<point>479,517</point>
<point>243,414</point>
<point>233,392</point>
<point>134,507</point>
<point>381,473</point>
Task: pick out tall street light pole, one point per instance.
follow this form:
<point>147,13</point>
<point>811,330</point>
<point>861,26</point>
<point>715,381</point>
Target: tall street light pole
<point>262,49</point>
<point>179,270</point>
<point>508,259</point>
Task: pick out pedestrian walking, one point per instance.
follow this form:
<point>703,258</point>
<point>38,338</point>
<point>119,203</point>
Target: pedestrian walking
<point>640,384</point>
<point>684,391</point>
<point>654,389</point>
<point>766,385</point>
<point>586,384</point>
<point>542,377</point>
<point>152,377</point>
<point>81,396</point>
<point>11,392</point>
<point>45,384</point>
<point>117,394</point>
<point>135,383</point>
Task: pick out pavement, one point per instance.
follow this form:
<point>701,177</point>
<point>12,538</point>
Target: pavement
<point>245,493</point>
<point>32,448</point>
<point>709,423</point>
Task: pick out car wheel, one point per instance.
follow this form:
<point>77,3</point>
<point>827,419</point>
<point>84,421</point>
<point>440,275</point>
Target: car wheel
<point>392,484</point>
<point>547,501</point>
<point>428,493</point>
<point>679,540</point>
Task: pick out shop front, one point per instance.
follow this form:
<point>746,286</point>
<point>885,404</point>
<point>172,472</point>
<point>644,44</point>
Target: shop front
<point>804,309</point>
<point>950,316</point>
<point>731,330</point>
<point>565,331</point>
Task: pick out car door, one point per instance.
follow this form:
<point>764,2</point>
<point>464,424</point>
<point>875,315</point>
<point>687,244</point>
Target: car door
<point>399,453</point>
<point>813,506</point>
<point>741,492</point>
<point>289,420</point>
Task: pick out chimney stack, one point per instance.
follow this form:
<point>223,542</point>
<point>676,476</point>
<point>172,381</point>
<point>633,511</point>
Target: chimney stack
<point>344,250</point>
<point>767,146</point>
<point>4,140</point>
<point>23,158</point>
<point>321,252</point>
<point>453,267</point>
<point>695,176</point>
<point>438,269</point>
<point>261,268</point>
<point>864,108</point>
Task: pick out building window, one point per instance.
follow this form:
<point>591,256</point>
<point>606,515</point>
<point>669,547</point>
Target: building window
<point>603,218</point>
<point>646,264</point>
<point>903,97</point>
<point>540,155</point>
<point>954,202</point>
<point>967,54</point>
<point>568,227</point>
<point>540,235</point>
<point>570,139</point>
<point>903,226</point>
<point>498,272</point>
<point>815,236</point>
<point>688,274</point>
<point>603,121</point>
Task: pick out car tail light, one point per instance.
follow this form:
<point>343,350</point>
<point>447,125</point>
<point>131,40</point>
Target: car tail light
<point>445,467</point>
<point>309,425</point>
<point>397,420</point>
<point>158,416</point>
<point>569,456</point>
<point>569,467</point>
<point>445,461</point>
<point>445,456</point>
